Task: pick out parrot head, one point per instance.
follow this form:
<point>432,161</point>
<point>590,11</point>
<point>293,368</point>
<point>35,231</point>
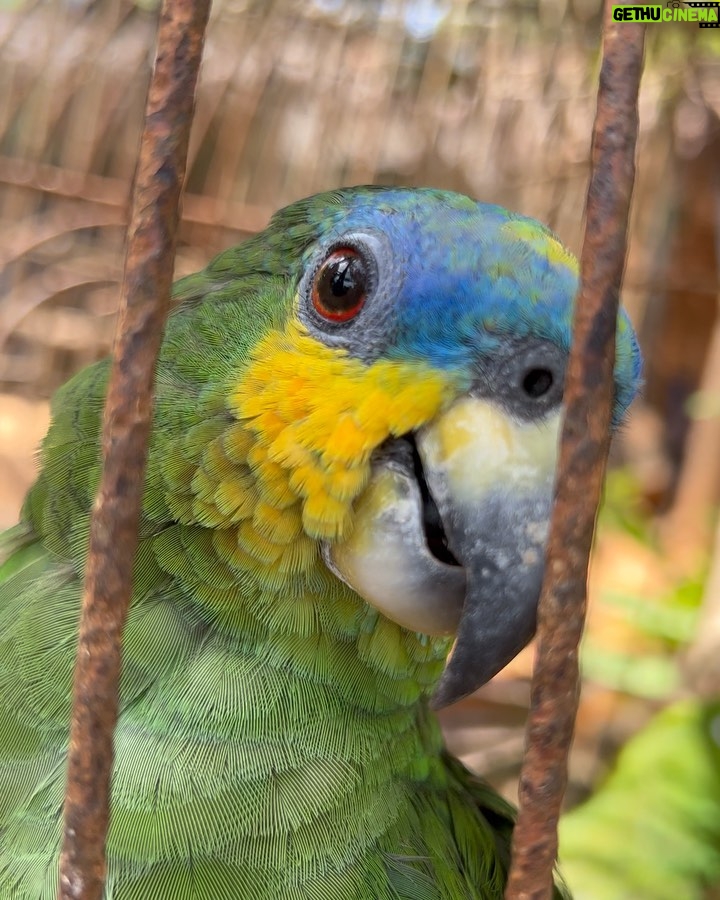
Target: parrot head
<point>398,411</point>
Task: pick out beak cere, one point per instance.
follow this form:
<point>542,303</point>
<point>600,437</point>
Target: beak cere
<point>491,477</point>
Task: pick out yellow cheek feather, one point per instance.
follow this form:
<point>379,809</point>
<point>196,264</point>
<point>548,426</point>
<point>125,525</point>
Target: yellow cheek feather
<point>318,414</point>
<point>308,417</point>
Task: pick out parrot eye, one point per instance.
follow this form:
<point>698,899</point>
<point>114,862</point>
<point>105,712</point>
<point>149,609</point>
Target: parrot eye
<point>340,285</point>
<point>345,295</point>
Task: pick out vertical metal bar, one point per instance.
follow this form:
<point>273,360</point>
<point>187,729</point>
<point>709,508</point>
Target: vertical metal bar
<point>145,297</point>
<point>583,456</point>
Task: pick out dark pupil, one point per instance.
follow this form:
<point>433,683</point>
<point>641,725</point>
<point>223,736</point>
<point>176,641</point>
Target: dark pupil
<point>342,283</point>
<point>537,382</point>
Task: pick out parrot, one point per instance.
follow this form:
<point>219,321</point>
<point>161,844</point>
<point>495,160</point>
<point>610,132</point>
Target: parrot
<point>350,475</point>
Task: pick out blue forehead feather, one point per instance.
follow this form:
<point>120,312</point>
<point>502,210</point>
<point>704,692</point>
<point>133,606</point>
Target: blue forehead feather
<point>505,266</point>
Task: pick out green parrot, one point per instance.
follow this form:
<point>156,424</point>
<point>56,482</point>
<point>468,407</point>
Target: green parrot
<point>351,465</point>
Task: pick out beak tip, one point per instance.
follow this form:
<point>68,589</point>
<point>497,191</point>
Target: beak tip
<point>449,690</point>
<point>487,639</point>
<point>440,700</point>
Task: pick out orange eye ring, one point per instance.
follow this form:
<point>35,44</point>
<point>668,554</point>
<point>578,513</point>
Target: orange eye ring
<point>340,285</point>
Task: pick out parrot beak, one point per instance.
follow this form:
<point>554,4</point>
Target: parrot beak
<point>491,478</point>
<point>388,558</point>
<point>449,535</point>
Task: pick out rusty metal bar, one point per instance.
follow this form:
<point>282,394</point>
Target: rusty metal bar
<point>583,456</point>
<point>145,297</point>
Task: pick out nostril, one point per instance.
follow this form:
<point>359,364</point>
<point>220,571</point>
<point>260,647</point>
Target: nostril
<point>537,382</point>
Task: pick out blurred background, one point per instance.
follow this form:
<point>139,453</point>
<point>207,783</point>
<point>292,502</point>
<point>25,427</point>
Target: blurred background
<point>496,100</point>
